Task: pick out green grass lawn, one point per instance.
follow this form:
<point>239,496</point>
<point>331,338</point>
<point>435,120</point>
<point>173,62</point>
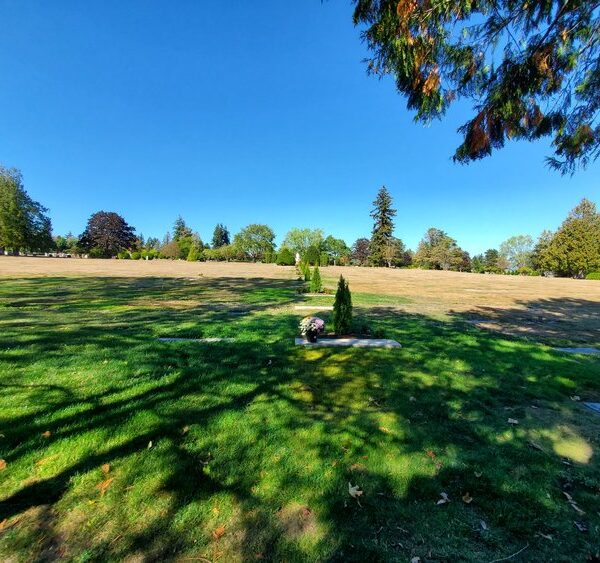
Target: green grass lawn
<point>120,447</point>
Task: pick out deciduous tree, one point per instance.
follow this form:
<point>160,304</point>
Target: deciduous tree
<point>299,240</point>
<point>106,234</point>
<point>255,240</point>
<point>517,251</point>
<point>24,223</point>
<point>360,251</point>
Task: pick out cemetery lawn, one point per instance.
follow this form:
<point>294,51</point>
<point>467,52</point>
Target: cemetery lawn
<point>116,446</point>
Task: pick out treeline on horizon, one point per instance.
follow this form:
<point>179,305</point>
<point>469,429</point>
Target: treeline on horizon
<point>573,250</point>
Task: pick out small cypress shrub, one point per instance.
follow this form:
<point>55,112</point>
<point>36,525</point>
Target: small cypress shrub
<point>193,254</point>
<point>316,285</point>
<point>305,270</point>
<point>342,308</point>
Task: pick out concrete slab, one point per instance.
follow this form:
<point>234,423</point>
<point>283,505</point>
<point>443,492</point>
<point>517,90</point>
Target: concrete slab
<point>349,342</point>
<point>578,350</point>
<point>313,307</point>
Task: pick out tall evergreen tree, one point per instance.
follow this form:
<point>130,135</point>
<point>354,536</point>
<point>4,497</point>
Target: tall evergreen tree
<point>383,217</point>
<point>220,236</point>
<point>180,229</point>
<point>529,68</point>
<point>24,223</point>
<point>574,250</point>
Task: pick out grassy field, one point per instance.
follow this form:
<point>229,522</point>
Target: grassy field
<point>117,446</point>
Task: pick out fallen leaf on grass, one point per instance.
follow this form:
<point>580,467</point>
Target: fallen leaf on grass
<point>218,533</point>
<point>412,399</point>
<point>102,487</point>
<point>445,499</point>
<point>2,464</point>
<point>105,468</point>
<point>513,421</point>
<point>478,474</point>
<point>357,467</point>
<point>384,430</point>
<point>415,560</point>
<point>467,498</point>
<point>46,434</point>
<point>355,491</point>
<point>149,444</point>
<point>3,523</point>
<point>575,398</point>
<point>545,536</point>
<point>483,525</point>
<point>581,526</point>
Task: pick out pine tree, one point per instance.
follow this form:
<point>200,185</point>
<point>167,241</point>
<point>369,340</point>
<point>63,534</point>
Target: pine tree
<point>383,216</point>
<point>220,236</point>
<point>342,308</point>
<point>316,285</point>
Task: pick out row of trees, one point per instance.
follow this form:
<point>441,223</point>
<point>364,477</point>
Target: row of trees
<point>572,250</point>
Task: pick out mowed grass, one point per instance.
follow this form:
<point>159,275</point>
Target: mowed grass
<point>121,447</point>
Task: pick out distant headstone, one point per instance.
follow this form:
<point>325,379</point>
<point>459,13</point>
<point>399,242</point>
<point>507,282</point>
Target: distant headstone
<point>297,258</point>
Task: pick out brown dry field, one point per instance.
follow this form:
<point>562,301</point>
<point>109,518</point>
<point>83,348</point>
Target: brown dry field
<point>550,309</point>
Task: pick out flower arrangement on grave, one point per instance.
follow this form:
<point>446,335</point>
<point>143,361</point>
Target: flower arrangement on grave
<point>311,327</point>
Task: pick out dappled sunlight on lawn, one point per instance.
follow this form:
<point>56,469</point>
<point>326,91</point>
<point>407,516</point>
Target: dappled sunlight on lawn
<point>118,446</point>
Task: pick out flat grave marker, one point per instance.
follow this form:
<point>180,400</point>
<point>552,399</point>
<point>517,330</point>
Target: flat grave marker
<point>349,343</point>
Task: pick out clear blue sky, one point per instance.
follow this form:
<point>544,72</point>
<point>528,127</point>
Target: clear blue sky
<point>242,112</point>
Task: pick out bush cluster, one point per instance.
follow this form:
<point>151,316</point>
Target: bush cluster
<point>593,276</point>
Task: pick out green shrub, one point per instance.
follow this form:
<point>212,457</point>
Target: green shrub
<point>269,257</point>
<point>342,308</point>
<point>312,255</point>
<point>526,271</point>
<point>285,257</point>
<point>193,254</point>
<point>96,253</point>
<point>123,256</point>
<point>593,276</point>
<point>305,269</point>
<point>324,259</point>
<point>316,285</point>
<point>135,255</point>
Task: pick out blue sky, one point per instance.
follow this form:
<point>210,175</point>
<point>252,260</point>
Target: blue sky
<point>243,112</point>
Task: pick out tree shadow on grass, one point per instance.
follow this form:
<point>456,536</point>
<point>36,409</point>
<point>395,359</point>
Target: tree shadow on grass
<point>553,321</point>
<point>245,451</point>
